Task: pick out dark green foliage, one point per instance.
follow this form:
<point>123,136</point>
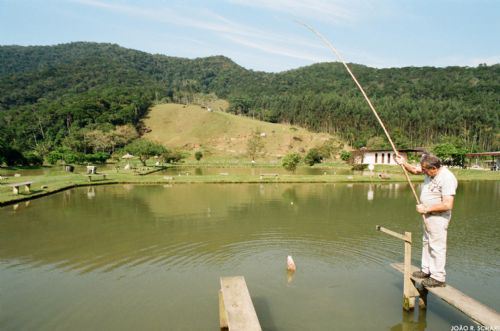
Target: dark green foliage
<point>198,155</point>
<point>345,155</point>
<point>291,161</point>
<point>66,155</point>
<point>450,154</point>
<point>312,157</point>
<point>48,93</point>
<point>173,156</point>
<point>33,159</point>
<point>11,156</point>
<point>98,157</point>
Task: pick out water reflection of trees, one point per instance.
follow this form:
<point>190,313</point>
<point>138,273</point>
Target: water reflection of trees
<point>131,225</point>
<point>210,224</point>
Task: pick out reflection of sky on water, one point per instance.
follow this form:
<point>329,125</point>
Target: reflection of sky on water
<point>254,171</point>
<point>136,239</point>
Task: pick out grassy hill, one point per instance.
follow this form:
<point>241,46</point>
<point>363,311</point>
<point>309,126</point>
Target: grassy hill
<point>52,96</point>
<point>220,134</point>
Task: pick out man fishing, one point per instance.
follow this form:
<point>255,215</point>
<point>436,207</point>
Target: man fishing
<point>436,199</point>
<point>436,203</point>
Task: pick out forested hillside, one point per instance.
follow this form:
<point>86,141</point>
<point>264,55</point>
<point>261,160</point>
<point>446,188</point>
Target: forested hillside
<point>54,96</point>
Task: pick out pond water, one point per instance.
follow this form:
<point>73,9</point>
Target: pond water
<point>132,257</point>
<point>254,171</point>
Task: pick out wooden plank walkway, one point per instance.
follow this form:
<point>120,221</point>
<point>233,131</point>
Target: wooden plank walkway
<point>478,312</point>
<point>237,312</point>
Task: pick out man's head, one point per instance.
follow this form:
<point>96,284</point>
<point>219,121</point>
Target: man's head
<point>430,164</point>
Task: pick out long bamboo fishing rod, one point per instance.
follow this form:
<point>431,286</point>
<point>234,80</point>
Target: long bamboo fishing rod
<point>329,45</point>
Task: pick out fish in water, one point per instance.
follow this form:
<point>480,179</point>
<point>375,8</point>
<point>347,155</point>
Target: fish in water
<point>290,265</point>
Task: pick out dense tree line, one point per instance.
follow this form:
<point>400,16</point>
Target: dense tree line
<point>55,96</point>
<point>421,106</point>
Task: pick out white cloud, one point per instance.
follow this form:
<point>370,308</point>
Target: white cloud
<point>277,49</point>
<point>333,11</point>
<point>203,19</point>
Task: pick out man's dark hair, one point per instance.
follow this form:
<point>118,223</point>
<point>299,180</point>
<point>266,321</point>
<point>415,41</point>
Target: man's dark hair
<point>430,161</point>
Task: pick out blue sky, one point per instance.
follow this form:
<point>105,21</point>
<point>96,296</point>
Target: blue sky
<point>263,34</point>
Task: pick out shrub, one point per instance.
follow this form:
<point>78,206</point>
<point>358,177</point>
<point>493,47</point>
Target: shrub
<point>345,155</point>
<point>98,157</point>
<point>33,159</point>
<point>198,155</point>
<point>173,156</point>
<point>359,167</point>
<point>450,154</point>
<point>313,157</point>
<point>291,161</point>
<point>13,157</point>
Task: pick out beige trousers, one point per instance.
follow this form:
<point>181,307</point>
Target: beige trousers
<point>434,246</point>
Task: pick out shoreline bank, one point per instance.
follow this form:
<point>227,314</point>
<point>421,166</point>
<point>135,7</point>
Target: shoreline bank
<point>44,185</point>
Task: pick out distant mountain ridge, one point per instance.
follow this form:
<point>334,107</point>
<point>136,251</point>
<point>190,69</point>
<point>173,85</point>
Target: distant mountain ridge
<point>72,86</point>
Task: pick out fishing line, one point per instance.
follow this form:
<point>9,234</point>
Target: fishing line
<point>329,45</point>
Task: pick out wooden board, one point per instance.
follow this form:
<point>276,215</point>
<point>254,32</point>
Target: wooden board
<point>240,312</point>
<point>20,184</point>
<point>478,312</point>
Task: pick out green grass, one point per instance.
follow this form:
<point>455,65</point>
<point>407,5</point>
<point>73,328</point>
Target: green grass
<point>59,180</point>
<point>223,135</point>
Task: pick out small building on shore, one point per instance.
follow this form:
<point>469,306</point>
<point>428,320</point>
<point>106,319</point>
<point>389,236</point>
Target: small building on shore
<point>382,156</point>
<point>489,160</point>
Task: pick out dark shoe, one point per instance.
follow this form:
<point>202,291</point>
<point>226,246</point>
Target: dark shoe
<point>431,282</point>
<point>420,274</point>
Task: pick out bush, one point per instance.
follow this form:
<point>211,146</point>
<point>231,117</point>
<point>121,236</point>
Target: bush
<point>66,155</point>
<point>13,157</point>
<point>313,157</point>
<point>198,155</point>
<point>33,159</point>
<point>291,161</point>
<point>450,154</point>
<point>345,155</point>
<point>173,156</point>
<point>330,148</point>
<point>359,167</point>
<point>98,157</point>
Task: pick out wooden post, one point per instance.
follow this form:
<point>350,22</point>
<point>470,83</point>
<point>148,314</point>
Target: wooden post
<point>222,313</point>
<point>408,299</point>
<point>409,289</point>
<point>410,292</point>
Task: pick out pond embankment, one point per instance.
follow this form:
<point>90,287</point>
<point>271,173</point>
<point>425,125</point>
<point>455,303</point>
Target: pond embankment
<point>50,183</point>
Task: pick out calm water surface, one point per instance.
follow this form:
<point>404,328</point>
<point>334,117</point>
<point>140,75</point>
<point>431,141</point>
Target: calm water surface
<point>149,257</point>
<point>254,171</point>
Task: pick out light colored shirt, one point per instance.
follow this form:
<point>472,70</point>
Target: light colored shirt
<point>433,189</point>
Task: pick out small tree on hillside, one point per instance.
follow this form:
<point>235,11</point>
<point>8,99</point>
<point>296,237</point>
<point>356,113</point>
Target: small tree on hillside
<point>255,145</point>
<point>345,155</point>
<point>123,134</point>
<point>312,157</point>
<point>145,149</point>
<point>198,155</point>
<point>330,148</point>
<point>291,161</point>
